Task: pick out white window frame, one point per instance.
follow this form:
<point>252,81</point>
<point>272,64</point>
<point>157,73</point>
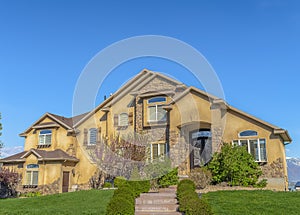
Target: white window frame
<point>89,135</point>
<point>119,119</point>
<point>31,171</point>
<point>156,105</point>
<point>43,137</point>
<point>258,147</point>
<point>158,150</point>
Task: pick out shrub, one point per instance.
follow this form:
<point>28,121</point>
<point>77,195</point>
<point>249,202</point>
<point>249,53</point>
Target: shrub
<point>123,199</point>
<point>119,206</point>
<point>107,185</point>
<point>119,181</point>
<point>171,178</point>
<point>189,202</point>
<point>8,183</point>
<point>261,184</point>
<point>235,166</point>
<point>139,187</point>
<point>30,194</point>
<point>201,177</point>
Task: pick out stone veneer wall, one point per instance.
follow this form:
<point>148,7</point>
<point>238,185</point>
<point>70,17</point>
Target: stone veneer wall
<point>273,170</point>
<point>44,189</point>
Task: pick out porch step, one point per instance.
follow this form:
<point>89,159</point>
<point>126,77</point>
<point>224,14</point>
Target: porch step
<point>162,203</point>
<point>155,201</point>
<point>157,213</point>
<point>156,208</point>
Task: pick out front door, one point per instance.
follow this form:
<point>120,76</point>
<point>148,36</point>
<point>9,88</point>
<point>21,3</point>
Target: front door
<point>200,147</point>
<point>65,182</point>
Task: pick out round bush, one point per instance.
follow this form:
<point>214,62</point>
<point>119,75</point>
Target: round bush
<point>201,177</point>
<point>120,206</point>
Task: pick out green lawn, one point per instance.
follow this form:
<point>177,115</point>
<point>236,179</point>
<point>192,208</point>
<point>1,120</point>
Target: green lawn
<point>81,202</point>
<point>254,202</point>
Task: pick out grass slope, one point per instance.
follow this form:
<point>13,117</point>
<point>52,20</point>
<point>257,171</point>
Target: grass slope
<point>254,202</point>
<point>82,202</point>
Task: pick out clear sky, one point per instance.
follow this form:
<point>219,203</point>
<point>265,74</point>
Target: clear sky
<point>253,46</point>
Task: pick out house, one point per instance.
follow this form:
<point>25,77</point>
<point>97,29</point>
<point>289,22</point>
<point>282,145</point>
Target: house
<point>186,124</point>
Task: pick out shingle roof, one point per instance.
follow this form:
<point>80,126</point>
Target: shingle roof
<point>68,121</point>
<point>15,157</point>
<point>42,155</point>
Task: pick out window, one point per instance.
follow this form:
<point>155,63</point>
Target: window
<point>158,150</point>
<point>123,119</point>
<point>256,147</point>
<point>45,137</point>
<point>156,113</point>
<point>248,133</point>
<point>32,174</point>
<point>92,136</point>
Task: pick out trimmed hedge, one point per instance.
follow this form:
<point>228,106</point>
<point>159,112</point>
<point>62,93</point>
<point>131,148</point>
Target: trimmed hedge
<point>188,199</point>
<point>123,200</point>
<point>171,178</point>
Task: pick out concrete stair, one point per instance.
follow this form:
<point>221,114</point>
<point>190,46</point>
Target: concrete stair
<point>164,202</point>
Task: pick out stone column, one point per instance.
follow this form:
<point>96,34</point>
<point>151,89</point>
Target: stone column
<point>218,114</point>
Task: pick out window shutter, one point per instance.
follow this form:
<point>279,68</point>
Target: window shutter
<point>85,133</point>
<point>116,119</point>
<point>130,118</point>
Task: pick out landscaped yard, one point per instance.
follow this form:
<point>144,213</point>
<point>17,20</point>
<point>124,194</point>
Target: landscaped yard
<point>82,202</point>
<point>254,202</point>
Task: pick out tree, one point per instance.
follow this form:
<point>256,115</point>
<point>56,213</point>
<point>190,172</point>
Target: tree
<point>235,166</point>
<point>8,183</point>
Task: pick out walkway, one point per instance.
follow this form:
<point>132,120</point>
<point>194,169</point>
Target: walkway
<point>164,202</point>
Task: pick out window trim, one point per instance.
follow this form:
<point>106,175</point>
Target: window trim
<point>44,137</point>
<point>258,147</point>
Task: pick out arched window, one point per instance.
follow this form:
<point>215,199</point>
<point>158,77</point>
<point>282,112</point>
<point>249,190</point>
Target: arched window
<point>92,136</point>
<point>248,133</point>
<point>123,119</point>
<point>32,166</point>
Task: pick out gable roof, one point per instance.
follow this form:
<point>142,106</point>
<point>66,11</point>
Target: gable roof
<point>138,81</point>
<point>42,155</point>
<point>61,120</point>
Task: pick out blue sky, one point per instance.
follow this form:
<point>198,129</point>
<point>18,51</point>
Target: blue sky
<point>252,45</point>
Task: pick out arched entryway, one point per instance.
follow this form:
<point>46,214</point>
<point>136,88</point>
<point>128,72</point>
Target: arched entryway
<point>200,147</point>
